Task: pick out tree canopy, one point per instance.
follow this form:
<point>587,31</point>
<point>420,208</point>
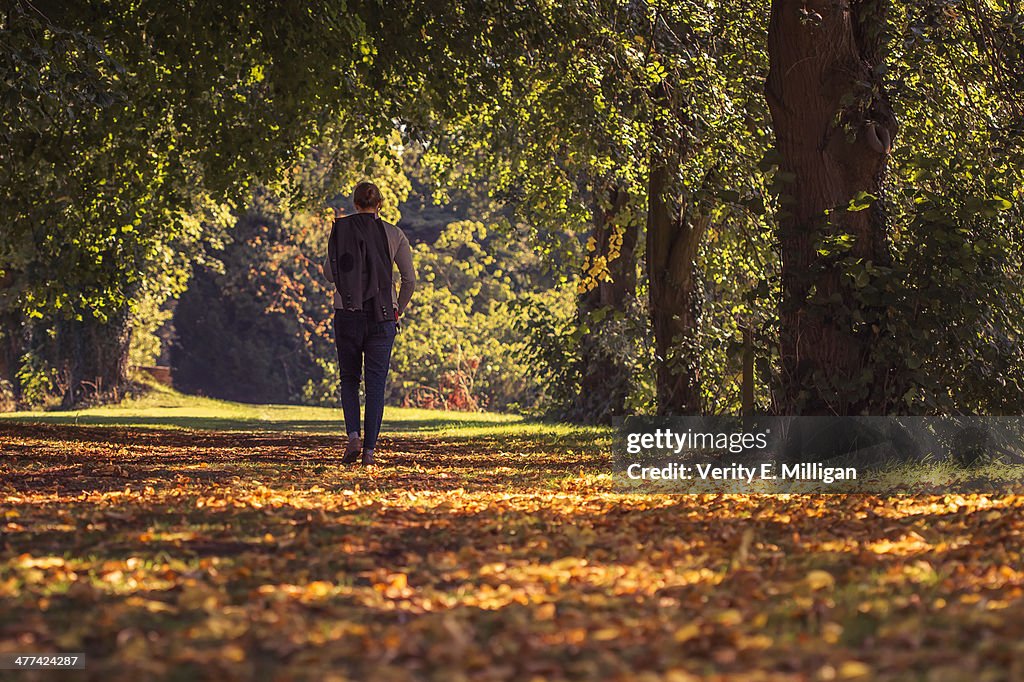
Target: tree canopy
<point>837,185</point>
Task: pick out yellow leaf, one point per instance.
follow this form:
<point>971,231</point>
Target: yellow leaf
<point>831,632</point>
<point>28,561</point>
<point>687,632</point>
<point>730,618</point>
<point>854,670</point>
<point>820,580</point>
<point>399,581</point>
<point>545,611</point>
<point>233,652</point>
<point>319,588</point>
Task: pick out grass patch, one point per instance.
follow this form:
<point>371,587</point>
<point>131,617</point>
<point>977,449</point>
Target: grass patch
<point>161,407</point>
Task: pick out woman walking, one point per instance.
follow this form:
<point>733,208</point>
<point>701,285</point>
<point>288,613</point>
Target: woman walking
<point>362,253</point>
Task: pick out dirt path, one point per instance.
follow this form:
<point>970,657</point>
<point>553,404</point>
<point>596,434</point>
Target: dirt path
<point>248,556</point>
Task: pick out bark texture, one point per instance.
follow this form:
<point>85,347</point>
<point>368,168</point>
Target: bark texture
<point>10,331</point>
<point>92,357</point>
<point>674,234</point>
<point>833,128</point>
<point>11,349</point>
<point>605,375</point>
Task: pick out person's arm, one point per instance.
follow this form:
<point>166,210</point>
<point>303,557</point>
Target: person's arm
<point>325,269</point>
<point>403,259</point>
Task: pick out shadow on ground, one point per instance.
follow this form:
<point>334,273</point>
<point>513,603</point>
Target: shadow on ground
<point>219,424</point>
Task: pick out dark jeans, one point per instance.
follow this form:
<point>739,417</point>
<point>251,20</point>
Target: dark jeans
<point>360,338</point>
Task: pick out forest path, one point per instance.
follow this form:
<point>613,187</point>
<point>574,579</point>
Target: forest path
<point>493,555</point>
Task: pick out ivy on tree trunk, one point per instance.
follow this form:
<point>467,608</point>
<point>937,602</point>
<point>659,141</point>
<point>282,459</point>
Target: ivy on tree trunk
<point>834,129</point>
<point>604,378</point>
<point>93,356</point>
<point>674,233</point>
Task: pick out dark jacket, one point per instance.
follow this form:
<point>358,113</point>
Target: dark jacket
<point>360,263</point>
<point>401,256</point>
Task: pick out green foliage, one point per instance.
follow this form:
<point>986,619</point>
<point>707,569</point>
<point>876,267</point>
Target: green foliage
<point>547,323</point>
<point>126,151</point>
<point>322,388</point>
<point>253,327</point>
<point>123,141</point>
<point>36,379</point>
<point>8,400</point>
<point>260,330</point>
<point>951,303</point>
<point>552,332</point>
<point>458,348</point>
<point>149,317</point>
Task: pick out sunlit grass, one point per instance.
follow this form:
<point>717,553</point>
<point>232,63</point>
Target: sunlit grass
<point>163,407</point>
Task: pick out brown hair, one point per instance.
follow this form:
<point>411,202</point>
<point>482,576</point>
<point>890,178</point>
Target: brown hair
<point>367,195</point>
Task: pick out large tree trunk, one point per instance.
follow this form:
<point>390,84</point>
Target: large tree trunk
<point>11,349</point>
<point>833,129</point>
<point>605,378</point>
<point>12,339</point>
<point>11,332</point>
<point>92,357</point>
<point>674,234</point>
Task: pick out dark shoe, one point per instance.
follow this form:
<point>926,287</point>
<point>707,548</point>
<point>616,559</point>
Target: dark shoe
<point>368,458</point>
<point>352,451</point>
